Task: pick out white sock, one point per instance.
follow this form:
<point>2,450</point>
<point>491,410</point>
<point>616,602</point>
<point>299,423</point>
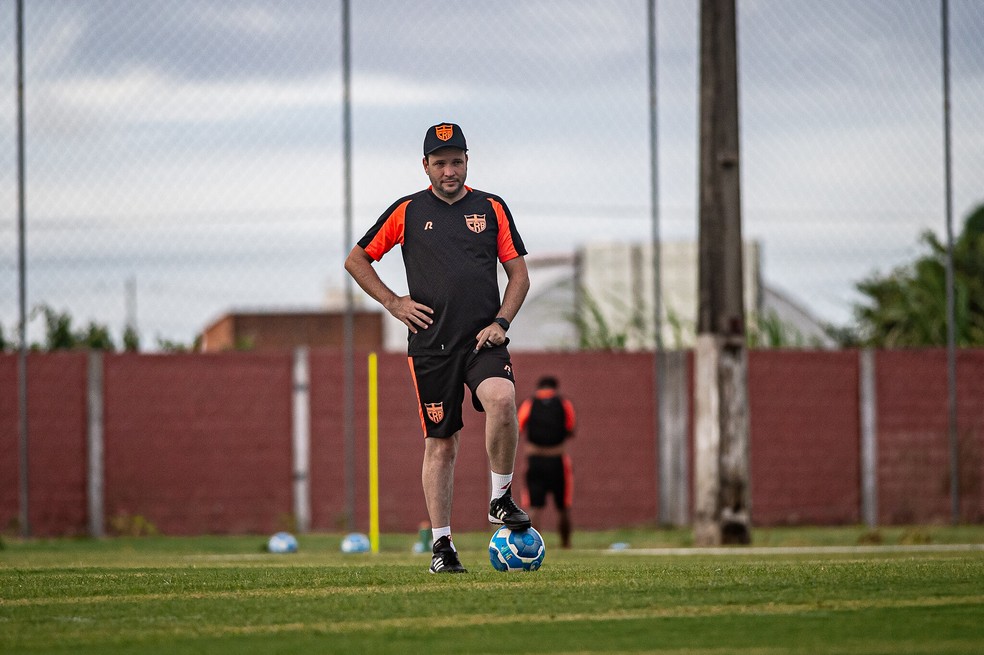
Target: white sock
<point>500,484</point>
<point>437,533</point>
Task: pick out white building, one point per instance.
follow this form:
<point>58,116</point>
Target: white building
<point>610,286</point>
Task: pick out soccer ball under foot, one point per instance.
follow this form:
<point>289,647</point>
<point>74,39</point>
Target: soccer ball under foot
<point>516,550</point>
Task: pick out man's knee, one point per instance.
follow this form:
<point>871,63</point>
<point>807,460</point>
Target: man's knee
<point>441,449</point>
<point>498,397</point>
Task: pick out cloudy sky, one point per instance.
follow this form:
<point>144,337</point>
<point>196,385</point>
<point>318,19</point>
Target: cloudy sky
<point>194,147</point>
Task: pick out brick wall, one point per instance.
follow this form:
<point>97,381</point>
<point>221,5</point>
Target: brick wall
<point>913,439</point>
<point>57,457</point>
<point>9,445</point>
<point>201,443</point>
<point>804,418</point>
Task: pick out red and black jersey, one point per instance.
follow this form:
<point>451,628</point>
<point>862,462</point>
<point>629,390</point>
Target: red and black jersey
<point>451,253</point>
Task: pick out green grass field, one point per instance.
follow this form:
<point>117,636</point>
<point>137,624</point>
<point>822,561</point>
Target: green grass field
<point>220,595</point>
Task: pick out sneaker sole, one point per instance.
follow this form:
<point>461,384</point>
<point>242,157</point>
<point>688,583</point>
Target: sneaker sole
<point>525,525</point>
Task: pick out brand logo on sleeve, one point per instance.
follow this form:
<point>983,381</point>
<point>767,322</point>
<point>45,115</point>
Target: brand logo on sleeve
<point>475,222</point>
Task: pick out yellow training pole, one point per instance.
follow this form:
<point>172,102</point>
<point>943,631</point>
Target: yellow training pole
<point>373,455</point>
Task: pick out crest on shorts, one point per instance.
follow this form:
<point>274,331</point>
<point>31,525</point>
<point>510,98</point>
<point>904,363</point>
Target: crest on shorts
<point>444,132</point>
<point>475,222</point>
<point>435,411</point>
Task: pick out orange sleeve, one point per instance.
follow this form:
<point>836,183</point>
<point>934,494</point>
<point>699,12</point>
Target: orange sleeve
<point>570,420</point>
<point>389,234</point>
<point>507,247</point>
<point>524,413</point>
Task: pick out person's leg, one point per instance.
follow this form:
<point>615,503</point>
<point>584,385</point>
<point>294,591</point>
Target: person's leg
<point>488,374</point>
<point>564,527</point>
<point>437,477</point>
<point>498,398</point>
<point>535,488</point>
<point>440,391</point>
<point>564,495</point>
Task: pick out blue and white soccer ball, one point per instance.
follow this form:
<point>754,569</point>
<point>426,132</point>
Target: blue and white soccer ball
<point>516,550</point>
<point>282,542</point>
<point>355,542</point>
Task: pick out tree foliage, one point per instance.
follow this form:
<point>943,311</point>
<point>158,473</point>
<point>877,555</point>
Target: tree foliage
<point>59,334</point>
<point>907,307</point>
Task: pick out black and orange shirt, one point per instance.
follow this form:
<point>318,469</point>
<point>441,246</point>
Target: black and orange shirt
<point>547,418</point>
<point>451,253</point>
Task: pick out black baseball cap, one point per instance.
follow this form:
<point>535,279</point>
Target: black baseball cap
<point>444,135</point>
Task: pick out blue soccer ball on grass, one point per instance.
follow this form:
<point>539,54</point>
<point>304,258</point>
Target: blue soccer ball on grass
<point>282,542</point>
<point>516,550</point>
<point>355,542</point>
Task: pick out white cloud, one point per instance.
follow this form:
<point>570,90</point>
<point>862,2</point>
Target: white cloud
<point>249,21</point>
<point>144,95</point>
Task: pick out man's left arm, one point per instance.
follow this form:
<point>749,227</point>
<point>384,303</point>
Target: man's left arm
<point>516,288</point>
<point>512,299</point>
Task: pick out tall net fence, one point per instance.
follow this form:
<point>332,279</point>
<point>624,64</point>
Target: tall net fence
<point>184,159</point>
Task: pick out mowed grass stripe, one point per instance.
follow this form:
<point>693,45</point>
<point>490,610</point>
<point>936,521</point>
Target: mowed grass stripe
<point>759,609</point>
<point>858,604</point>
<point>704,611</point>
<point>434,586</point>
<point>375,631</point>
<point>272,593</point>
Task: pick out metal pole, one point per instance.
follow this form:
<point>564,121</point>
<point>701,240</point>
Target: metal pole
<point>654,179</point>
<point>951,339</point>
<point>658,374</point>
<point>349,356</point>
<point>25,522</point>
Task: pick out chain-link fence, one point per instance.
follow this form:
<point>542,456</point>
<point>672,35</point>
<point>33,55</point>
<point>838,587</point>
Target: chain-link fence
<point>183,159</point>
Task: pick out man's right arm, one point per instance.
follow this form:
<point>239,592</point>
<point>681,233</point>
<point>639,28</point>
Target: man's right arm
<point>412,314</point>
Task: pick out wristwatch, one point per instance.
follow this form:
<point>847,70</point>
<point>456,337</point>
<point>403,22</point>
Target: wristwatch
<point>503,323</point>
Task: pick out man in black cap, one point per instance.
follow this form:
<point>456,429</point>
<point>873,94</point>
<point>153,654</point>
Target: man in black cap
<point>453,237</point>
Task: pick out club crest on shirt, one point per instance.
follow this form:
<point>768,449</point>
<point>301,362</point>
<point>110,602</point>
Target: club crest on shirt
<point>435,411</point>
<point>475,222</point>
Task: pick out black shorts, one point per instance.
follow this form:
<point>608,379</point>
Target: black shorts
<point>440,382</point>
<point>550,475</point>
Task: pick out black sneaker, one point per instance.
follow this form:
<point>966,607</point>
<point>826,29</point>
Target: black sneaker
<point>445,559</point>
<point>504,511</point>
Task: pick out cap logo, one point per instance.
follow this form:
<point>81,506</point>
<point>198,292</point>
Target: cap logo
<point>475,222</point>
<point>435,411</point>
<point>444,132</point>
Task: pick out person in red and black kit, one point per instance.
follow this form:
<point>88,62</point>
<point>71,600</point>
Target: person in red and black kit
<point>453,238</point>
<point>548,421</point>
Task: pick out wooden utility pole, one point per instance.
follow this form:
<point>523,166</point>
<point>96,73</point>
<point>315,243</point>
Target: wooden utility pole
<point>722,498</point>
